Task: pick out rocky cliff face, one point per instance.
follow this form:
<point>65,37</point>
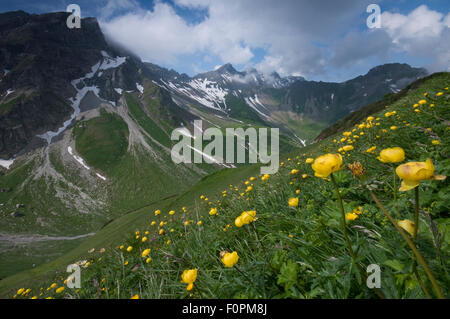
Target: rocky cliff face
<point>39,57</point>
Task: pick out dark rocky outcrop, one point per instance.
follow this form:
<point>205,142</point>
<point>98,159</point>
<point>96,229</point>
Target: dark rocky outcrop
<point>42,56</point>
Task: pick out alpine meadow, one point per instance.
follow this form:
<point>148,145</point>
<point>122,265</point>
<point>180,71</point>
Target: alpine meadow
<point>318,171</point>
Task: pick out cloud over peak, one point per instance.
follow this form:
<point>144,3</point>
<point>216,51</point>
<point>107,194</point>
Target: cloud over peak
<point>290,37</point>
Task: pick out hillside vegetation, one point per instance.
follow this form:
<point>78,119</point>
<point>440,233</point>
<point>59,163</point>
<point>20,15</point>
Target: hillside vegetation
<point>308,231</point>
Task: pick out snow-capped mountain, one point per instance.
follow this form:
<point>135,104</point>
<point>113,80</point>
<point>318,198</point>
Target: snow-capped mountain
<point>210,89</point>
<point>268,94</point>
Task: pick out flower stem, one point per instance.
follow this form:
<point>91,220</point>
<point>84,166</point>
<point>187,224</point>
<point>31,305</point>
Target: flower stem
<point>416,227</point>
<point>198,291</point>
<point>263,248</point>
<point>347,240</point>
<point>395,193</point>
<point>413,247</point>
<point>416,212</point>
<point>344,226</point>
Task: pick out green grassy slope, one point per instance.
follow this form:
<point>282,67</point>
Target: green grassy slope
<point>103,141</point>
<point>352,118</point>
<point>58,197</point>
<point>117,230</point>
<point>295,252</point>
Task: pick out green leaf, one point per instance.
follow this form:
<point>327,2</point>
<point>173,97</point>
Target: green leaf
<point>394,264</point>
<point>288,274</point>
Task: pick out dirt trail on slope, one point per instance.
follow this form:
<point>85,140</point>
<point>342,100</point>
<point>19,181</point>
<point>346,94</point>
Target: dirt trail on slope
<point>30,238</point>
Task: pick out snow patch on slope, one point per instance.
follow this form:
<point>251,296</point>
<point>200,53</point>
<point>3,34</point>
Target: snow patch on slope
<point>8,92</point>
<point>6,163</point>
<point>107,63</point>
<point>140,87</point>
<point>77,158</point>
<point>253,103</point>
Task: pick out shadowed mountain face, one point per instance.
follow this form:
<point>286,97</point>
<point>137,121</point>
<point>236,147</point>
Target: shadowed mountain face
<point>39,57</point>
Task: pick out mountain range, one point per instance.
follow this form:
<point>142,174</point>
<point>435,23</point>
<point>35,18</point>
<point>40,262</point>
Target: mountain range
<point>85,125</point>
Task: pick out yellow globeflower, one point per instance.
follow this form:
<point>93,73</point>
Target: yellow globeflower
<point>157,212</point>
<point>309,160</point>
<point>295,171</point>
<point>171,212</point>
<point>59,290</point>
<point>136,296</point>
<point>371,149</point>
<point>238,221</point>
<point>145,252</point>
<point>144,239</point>
<point>53,286</point>
<point>393,128</point>
<point>249,188</point>
<point>422,102</point>
<point>392,155</point>
<point>130,248</point>
<point>348,148</point>
<point>248,216</point>
<point>439,93</point>
<point>412,173</point>
<point>149,259</point>
<point>265,177</point>
<point>326,164</point>
<point>213,211</point>
<point>230,259</point>
<point>293,201</point>
<point>435,142</point>
<point>20,291</point>
<point>304,176</point>
<point>351,216</point>
<point>189,276</point>
<point>407,225</point>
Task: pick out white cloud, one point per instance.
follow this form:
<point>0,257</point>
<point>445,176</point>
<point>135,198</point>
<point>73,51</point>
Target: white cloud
<point>423,32</point>
<point>298,36</point>
<point>420,24</point>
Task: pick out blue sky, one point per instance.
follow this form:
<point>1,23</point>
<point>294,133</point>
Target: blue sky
<point>321,40</point>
